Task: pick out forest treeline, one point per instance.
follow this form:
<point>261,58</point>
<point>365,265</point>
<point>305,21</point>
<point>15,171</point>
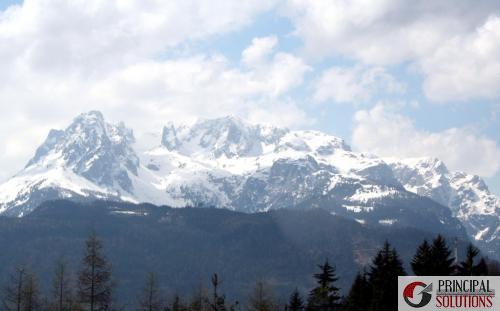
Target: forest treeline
<point>374,288</point>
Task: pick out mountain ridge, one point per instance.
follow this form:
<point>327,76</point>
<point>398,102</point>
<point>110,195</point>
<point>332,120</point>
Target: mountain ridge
<point>229,163</point>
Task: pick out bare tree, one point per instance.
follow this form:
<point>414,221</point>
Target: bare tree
<point>62,293</point>
<point>13,293</point>
<point>261,298</point>
<point>94,280</point>
<point>218,303</point>
<point>31,293</point>
<point>150,297</point>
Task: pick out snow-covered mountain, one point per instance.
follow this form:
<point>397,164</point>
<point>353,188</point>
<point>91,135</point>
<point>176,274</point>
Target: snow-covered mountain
<point>466,195</point>
<point>228,163</point>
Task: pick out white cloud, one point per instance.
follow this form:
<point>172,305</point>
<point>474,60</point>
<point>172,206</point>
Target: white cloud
<point>260,48</point>
<point>94,36</point>
<point>355,84</point>
<point>385,132</point>
<point>464,68</point>
<point>129,60</point>
<point>454,44</point>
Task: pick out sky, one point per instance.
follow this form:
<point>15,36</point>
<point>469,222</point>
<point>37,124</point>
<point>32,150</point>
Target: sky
<point>394,78</point>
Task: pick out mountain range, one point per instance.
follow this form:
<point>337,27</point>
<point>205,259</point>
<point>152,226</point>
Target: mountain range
<point>228,163</point>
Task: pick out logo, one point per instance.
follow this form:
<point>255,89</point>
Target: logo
<point>409,292</point>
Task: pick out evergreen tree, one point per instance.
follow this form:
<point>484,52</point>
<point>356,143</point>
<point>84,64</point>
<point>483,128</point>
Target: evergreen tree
<point>441,256</point>
<point>13,293</point>
<point>422,263</point>
<point>261,298</point>
<point>325,296</point>
<point>62,294</point>
<point>386,268</point>
<point>218,302</point>
<point>94,281</point>
<point>150,296</point>
<point>466,267</point>
<point>295,302</point>
<point>359,296</point>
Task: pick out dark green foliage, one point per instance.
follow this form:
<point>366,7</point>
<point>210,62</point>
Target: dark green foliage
<point>468,266</point>
<point>422,263</point>
<point>441,256</point>
<point>325,296</point>
<point>359,297</point>
<point>94,280</point>
<point>185,245</point>
<point>384,272</point>
<point>295,303</point>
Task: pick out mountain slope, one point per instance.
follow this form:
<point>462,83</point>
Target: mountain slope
<point>230,164</point>
<point>185,246</point>
<point>467,196</point>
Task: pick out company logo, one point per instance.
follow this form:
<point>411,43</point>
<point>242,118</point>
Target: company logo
<point>422,290</point>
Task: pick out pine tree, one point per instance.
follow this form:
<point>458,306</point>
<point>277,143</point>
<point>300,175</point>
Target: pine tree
<point>386,268</point>
<point>150,295</point>
<point>218,302</point>
<point>31,293</point>
<point>466,267</point>
<point>325,296</point>
<point>422,263</point>
<point>261,298</point>
<point>13,293</point>
<point>441,256</point>
<point>94,281</point>
<point>359,296</point>
<point>295,302</point>
<point>62,294</point>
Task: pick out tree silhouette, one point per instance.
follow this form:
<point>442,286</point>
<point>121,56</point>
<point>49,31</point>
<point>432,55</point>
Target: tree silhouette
<point>261,298</point>
<point>325,296</point>
<point>218,301</point>
<point>177,304</point>
<point>359,297</point>
<point>441,256</point>
<point>94,281</point>
<point>199,300</point>
<point>13,293</point>
<point>384,272</point>
<point>422,262</point>
<point>295,302</point>
<point>62,293</point>
<point>31,293</point>
<point>150,295</point>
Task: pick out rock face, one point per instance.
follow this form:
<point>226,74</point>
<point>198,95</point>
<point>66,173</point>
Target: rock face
<point>228,163</point>
<point>466,195</point>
